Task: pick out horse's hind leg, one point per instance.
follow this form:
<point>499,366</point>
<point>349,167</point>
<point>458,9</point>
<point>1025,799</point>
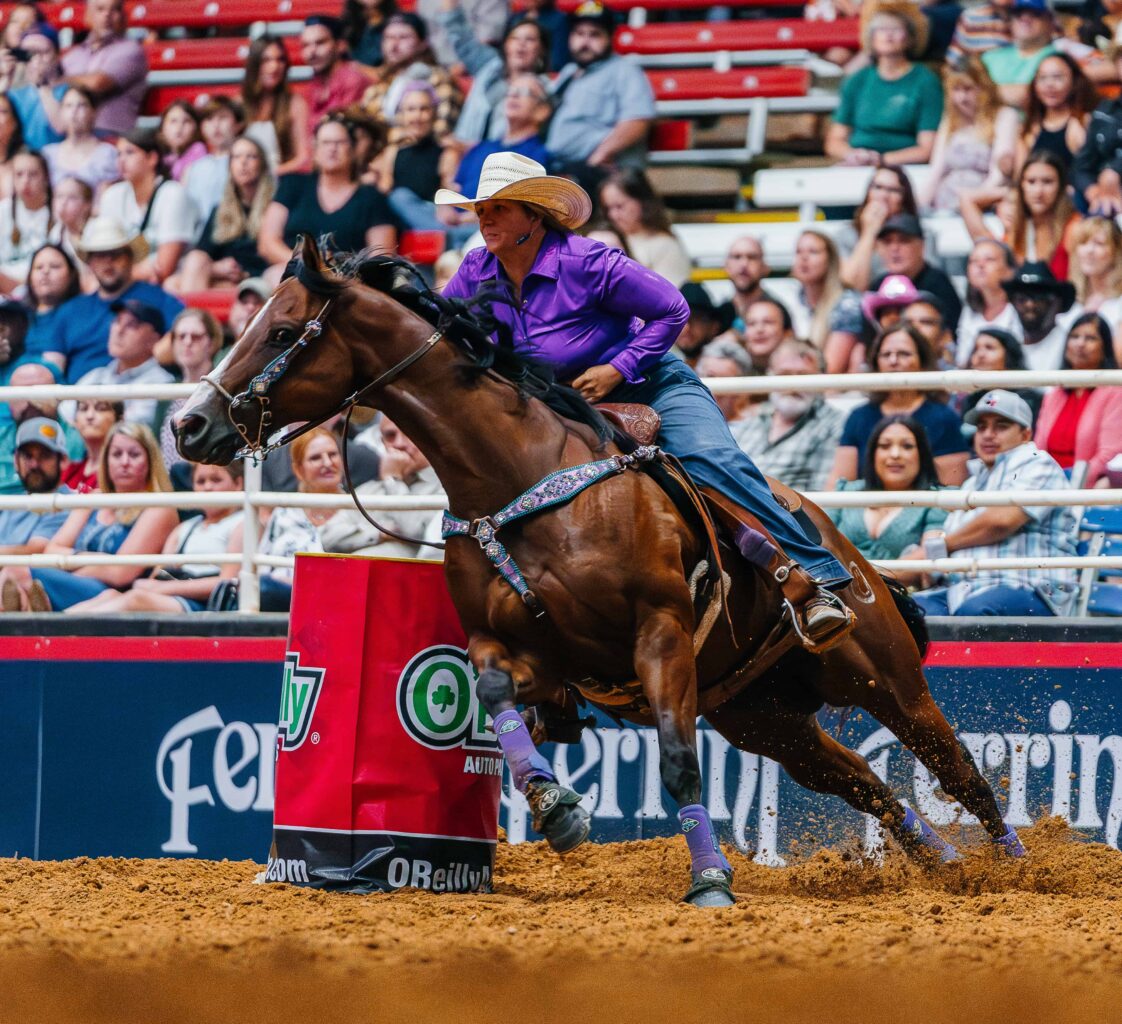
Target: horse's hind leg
<point>557,812</point>
<point>920,725</point>
<point>819,763</point>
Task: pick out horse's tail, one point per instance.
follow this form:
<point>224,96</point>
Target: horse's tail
<point>911,612</point>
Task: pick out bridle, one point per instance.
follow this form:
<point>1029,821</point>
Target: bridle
<point>257,390</point>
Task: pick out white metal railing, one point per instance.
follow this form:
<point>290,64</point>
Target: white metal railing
<point>254,498</point>
<point>934,380</point>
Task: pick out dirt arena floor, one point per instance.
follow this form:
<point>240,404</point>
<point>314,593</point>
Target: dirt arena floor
<point>597,937</point>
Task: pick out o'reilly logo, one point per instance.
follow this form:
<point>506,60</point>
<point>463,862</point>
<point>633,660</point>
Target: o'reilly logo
<point>299,695</point>
<point>280,870</point>
<point>436,701</point>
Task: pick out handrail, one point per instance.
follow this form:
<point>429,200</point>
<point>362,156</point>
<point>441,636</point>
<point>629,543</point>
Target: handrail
<point>252,499</point>
<point>949,499</point>
<point>926,380</point>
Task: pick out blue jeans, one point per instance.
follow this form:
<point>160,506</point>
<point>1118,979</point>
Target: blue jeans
<point>419,214</point>
<point>991,601</point>
<point>694,429</point>
<point>64,588</point>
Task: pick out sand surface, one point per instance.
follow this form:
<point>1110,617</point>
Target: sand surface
<point>596,937</point>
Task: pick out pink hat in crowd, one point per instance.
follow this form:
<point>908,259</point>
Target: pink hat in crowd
<point>894,290</point>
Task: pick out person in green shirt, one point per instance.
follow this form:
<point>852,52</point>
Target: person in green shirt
<point>898,458</point>
<point>889,111</point>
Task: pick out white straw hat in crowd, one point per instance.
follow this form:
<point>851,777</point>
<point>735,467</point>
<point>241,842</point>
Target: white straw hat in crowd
<point>104,234</point>
<point>515,177</point>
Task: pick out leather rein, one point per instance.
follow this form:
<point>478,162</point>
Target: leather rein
<point>257,390</point>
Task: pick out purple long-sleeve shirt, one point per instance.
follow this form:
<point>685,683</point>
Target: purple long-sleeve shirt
<point>583,304</point>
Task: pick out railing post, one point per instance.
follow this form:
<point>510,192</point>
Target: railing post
<point>249,585</point>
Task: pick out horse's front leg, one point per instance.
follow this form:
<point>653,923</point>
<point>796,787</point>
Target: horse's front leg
<point>557,813</point>
<point>665,664</point>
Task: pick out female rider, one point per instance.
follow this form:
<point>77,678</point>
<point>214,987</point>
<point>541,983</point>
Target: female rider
<point>606,323</point>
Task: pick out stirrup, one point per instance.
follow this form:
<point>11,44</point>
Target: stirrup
<point>831,639</point>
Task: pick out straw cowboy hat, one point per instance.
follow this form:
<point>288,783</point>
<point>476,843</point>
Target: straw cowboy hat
<point>104,234</point>
<point>518,178</point>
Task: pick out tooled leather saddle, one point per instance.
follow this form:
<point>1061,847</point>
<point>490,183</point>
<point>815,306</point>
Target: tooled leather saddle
<point>641,423</point>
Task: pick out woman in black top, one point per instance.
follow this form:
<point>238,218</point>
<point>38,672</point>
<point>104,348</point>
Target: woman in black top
<point>330,200</point>
<point>1061,99</point>
<point>420,163</point>
<point>226,252</point>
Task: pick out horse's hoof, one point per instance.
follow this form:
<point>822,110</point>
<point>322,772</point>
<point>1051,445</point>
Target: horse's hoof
<point>558,815</point>
<point>1010,844</point>
<point>711,888</point>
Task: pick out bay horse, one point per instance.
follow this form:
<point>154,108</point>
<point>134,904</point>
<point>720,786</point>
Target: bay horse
<point>612,617</point>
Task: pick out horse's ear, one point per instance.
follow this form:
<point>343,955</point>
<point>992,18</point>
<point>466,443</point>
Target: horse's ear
<point>308,252</point>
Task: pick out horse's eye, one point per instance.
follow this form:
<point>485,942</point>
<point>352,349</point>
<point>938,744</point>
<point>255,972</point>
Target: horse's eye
<point>283,337</point>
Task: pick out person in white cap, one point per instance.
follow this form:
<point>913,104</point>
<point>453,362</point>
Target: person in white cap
<point>606,323</point>
<point>81,326</point>
<point>1007,460</point>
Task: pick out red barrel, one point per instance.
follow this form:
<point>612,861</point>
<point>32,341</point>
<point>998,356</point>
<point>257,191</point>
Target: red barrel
<point>387,772</point>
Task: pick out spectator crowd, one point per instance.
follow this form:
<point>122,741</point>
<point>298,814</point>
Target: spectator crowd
<point>109,226</point>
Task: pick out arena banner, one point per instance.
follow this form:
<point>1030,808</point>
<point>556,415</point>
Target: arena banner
<point>387,774</point>
<point>1042,720</point>
<point>138,746</point>
<point>154,746</point>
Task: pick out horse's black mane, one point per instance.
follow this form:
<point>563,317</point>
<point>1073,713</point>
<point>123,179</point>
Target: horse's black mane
<point>469,323</point>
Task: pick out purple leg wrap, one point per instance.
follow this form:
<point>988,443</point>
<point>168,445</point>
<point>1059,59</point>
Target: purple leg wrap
<point>701,839</point>
<point>519,750</point>
<point>754,546</point>
<point>928,837</point>
<point>1011,844</point>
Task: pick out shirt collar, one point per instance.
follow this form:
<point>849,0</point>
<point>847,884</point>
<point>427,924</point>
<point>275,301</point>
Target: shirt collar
<point>977,468</point>
<point>546,263</point>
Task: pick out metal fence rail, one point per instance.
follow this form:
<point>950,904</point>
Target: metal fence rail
<point>253,497</point>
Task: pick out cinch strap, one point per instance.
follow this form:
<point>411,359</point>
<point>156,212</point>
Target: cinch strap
<point>559,488</point>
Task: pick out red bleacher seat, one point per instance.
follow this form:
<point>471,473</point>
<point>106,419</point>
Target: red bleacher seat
<point>671,5</point>
<point>423,247</point>
<point>666,135</point>
<point>216,301</point>
<point>710,36</point>
<point>737,83</point>
<point>195,54</point>
<point>158,98</point>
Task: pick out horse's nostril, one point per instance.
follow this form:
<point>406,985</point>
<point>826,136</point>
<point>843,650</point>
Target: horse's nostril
<point>190,428</point>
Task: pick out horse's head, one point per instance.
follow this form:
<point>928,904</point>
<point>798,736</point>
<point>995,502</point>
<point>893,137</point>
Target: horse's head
<point>292,364</point>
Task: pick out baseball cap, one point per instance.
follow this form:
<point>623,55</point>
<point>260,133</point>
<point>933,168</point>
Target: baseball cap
<point>41,28</point>
<point>905,223</point>
<point>256,285</point>
<point>594,11</point>
<point>1035,6</point>
<point>41,430</point>
<point>145,313</point>
<point>1001,403</point>
<point>411,20</point>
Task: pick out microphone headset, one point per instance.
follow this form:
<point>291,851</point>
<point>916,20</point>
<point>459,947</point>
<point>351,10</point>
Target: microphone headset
<point>526,237</point>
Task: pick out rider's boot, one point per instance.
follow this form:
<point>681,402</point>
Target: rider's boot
<point>819,617</point>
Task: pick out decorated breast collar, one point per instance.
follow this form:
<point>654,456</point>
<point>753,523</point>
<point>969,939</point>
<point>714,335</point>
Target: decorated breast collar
<point>559,488</point>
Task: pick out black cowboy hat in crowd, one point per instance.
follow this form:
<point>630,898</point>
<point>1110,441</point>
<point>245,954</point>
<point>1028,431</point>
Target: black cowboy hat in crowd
<point>1036,277</point>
